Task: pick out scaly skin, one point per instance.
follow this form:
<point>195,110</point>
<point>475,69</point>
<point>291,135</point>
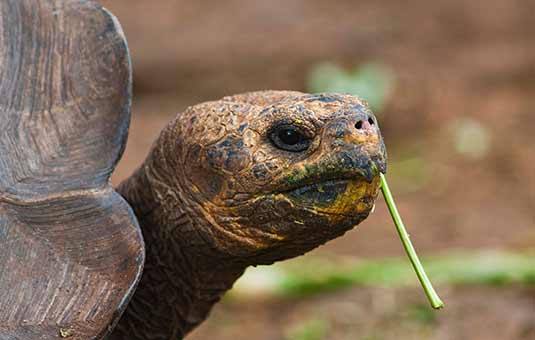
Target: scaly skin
<point>215,196</point>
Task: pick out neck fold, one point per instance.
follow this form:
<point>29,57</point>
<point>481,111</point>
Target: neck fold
<point>183,275</point>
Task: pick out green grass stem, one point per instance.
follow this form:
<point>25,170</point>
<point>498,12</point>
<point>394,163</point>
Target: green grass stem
<point>432,295</point>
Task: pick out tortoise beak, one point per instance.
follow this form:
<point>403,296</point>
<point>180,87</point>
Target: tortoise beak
<point>356,145</point>
<point>365,161</point>
<point>377,163</point>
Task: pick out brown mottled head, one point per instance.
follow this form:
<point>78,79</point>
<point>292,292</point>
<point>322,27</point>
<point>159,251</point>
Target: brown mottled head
<point>273,174</point>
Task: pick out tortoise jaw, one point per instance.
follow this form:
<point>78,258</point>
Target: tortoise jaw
<point>342,197</point>
<point>345,184</point>
<point>329,177</point>
<point>348,166</point>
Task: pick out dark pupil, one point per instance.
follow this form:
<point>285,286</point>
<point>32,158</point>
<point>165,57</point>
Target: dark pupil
<point>290,136</point>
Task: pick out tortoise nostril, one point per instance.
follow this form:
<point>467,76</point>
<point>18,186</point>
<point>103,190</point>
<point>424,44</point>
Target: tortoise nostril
<point>365,125</point>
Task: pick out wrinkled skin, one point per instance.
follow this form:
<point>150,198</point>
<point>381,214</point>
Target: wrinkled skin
<point>217,194</point>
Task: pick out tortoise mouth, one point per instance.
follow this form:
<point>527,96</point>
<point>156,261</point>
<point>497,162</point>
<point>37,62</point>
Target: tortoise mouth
<point>323,192</point>
<point>338,197</point>
<point>339,186</point>
<point>329,176</point>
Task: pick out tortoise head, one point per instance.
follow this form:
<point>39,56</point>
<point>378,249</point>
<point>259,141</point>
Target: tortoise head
<point>275,174</point>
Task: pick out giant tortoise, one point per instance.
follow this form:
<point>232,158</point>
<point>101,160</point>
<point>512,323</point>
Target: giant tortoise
<point>245,180</point>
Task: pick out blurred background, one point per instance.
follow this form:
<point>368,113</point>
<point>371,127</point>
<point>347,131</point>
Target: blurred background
<point>452,83</point>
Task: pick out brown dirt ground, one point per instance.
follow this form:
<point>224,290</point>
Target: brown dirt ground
<point>452,60</point>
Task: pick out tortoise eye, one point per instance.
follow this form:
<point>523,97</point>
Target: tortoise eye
<point>289,138</point>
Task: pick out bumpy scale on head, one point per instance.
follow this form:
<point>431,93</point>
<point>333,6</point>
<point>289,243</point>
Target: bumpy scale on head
<point>266,200</point>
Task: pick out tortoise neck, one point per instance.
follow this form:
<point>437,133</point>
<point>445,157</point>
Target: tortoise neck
<point>183,277</point>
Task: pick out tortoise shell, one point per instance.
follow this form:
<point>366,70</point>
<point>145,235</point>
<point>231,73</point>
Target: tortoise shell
<point>71,250</point>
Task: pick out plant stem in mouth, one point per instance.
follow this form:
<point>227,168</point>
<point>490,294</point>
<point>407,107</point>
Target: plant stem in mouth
<point>432,295</point>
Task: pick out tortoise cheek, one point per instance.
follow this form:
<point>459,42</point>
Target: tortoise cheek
<point>207,183</point>
<point>229,155</point>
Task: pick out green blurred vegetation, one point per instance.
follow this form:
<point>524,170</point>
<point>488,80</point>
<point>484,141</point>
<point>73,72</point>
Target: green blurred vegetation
<point>409,174</point>
<point>314,329</point>
<point>372,82</point>
<point>303,277</point>
<point>422,314</point>
<point>471,138</point>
